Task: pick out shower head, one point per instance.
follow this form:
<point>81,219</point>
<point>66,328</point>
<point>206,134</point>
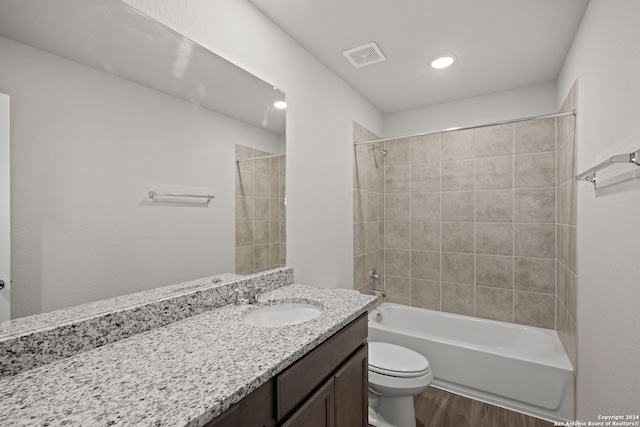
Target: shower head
<point>382,150</point>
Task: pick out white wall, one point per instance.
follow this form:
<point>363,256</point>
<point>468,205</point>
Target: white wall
<point>320,112</point>
<point>5,224</point>
<point>605,59</point>
<point>85,149</point>
<point>512,104</point>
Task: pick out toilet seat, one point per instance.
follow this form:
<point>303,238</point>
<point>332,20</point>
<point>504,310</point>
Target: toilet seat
<point>398,374</point>
<point>395,361</point>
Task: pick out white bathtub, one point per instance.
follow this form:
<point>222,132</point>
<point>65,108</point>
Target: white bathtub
<point>513,366</point>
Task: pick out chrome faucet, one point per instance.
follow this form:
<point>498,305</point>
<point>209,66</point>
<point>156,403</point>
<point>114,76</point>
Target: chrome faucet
<point>373,277</point>
<point>255,291</point>
<point>238,296</point>
<point>378,293</point>
<point>373,280</point>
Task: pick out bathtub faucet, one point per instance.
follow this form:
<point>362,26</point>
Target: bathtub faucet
<point>378,293</point>
<point>373,277</point>
<point>373,280</point>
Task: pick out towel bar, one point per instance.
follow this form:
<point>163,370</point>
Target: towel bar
<point>590,174</point>
<point>152,195</point>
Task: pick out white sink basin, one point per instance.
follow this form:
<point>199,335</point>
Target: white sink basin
<point>279,315</point>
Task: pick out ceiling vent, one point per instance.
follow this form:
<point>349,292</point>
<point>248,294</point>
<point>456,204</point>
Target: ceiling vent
<point>364,55</point>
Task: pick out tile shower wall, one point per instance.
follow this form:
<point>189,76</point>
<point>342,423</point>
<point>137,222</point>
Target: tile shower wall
<point>260,212</point>
<point>566,208</point>
<point>470,222</point>
<point>368,210</point>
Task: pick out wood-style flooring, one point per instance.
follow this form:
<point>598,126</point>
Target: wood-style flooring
<point>438,408</point>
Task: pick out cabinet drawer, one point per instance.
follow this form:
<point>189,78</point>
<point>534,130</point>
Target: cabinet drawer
<point>299,380</point>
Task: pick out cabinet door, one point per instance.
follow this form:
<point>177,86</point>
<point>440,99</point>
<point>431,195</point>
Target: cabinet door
<point>229,418</point>
<point>317,411</point>
<point>256,410</point>
<point>351,391</point>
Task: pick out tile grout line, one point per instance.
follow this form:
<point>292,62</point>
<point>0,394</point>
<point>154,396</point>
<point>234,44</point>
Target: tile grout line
<point>475,227</point>
<point>410,241</point>
<point>555,307</point>
<point>441,260</point>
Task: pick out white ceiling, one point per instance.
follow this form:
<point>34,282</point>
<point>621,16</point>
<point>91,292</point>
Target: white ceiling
<point>500,44</point>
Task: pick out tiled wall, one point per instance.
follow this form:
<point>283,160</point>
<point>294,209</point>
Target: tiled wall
<point>260,212</point>
<point>480,222</point>
<point>368,210</point>
<point>566,230</point>
<point>470,222</point>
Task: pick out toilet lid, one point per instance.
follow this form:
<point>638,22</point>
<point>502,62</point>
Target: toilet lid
<point>393,360</point>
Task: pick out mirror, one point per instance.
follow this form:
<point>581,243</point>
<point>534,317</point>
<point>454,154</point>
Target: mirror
<point>107,105</point>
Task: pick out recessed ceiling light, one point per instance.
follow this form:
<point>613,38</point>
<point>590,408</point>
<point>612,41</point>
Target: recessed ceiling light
<point>280,105</point>
<point>443,61</point>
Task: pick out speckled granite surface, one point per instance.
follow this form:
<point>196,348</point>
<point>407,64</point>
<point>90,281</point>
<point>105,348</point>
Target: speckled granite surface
<point>83,311</point>
<point>182,374</point>
<point>37,340</point>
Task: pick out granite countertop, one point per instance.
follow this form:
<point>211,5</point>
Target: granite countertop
<point>109,305</point>
<point>33,341</point>
<point>181,374</point>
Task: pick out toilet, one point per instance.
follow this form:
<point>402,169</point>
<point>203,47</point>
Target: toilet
<point>396,374</point>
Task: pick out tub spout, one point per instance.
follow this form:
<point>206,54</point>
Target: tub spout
<point>377,293</point>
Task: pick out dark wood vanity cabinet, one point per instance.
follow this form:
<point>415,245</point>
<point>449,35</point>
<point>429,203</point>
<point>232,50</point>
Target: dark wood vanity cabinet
<point>351,389</point>
<point>341,401</point>
<point>229,418</point>
<point>325,388</point>
<point>255,410</point>
<point>317,411</point>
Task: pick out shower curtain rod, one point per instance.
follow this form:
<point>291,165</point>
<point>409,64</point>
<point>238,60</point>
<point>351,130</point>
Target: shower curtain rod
<point>260,158</point>
<point>548,116</point>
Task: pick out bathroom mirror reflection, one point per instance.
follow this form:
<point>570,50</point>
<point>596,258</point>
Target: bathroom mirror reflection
<point>107,104</point>
<point>260,210</point>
